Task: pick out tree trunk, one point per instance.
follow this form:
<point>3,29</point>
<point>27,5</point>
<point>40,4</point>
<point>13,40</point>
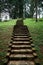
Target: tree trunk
<point>36,10</point>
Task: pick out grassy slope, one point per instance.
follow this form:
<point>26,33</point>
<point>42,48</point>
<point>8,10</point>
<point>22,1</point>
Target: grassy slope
<point>5,36</point>
<point>36,30</point>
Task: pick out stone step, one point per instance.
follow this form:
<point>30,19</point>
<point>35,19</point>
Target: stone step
<point>23,42</point>
<point>21,63</point>
<point>18,39</point>
<point>10,45</point>
<point>31,41</point>
<point>21,51</point>
<point>21,57</point>
<point>20,34</point>
<point>9,49</point>
<point>34,50</point>
<point>8,54</point>
<point>35,54</point>
<point>25,52</point>
<point>24,33</point>
<point>22,37</point>
<point>21,28</point>
<point>32,45</point>
<point>21,47</point>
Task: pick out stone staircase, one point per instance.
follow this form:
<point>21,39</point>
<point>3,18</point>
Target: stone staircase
<point>21,50</point>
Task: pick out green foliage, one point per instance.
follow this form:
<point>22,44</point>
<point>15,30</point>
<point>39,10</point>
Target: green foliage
<point>32,8</point>
<point>15,7</point>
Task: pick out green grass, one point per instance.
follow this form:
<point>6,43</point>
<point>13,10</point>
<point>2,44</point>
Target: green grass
<point>36,30</point>
<point>10,22</point>
<point>6,28</point>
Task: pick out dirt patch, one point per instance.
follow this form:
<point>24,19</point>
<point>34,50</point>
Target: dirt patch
<point>0,50</point>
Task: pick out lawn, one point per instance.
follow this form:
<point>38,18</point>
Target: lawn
<point>6,29</point>
<point>36,30</point>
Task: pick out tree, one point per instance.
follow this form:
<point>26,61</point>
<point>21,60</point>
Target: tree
<point>37,4</point>
<point>17,9</point>
<point>36,1</point>
<point>32,2</point>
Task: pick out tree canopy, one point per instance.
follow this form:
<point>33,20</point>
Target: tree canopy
<point>16,7</point>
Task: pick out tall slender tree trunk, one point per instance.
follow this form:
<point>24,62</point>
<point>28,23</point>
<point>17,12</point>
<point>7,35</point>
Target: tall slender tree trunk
<point>0,16</point>
<point>39,13</point>
<point>42,13</point>
<point>36,13</point>
<point>36,10</point>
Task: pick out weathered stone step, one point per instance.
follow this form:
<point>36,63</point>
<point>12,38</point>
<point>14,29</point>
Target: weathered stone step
<point>31,41</point>
<point>21,51</point>
<point>19,42</point>
<point>23,42</point>
<point>21,57</point>
<point>10,45</point>
<point>21,63</point>
<point>8,54</point>
<point>27,39</point>
<point>21,45</point>
<point>12,52</point>
<point>9,49</point>
<point>32,45</point>
<point>23,26</point>
<point>34,50</point>
<point>21,29</point>
<point>20,34</point>
<point>35,54</point>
